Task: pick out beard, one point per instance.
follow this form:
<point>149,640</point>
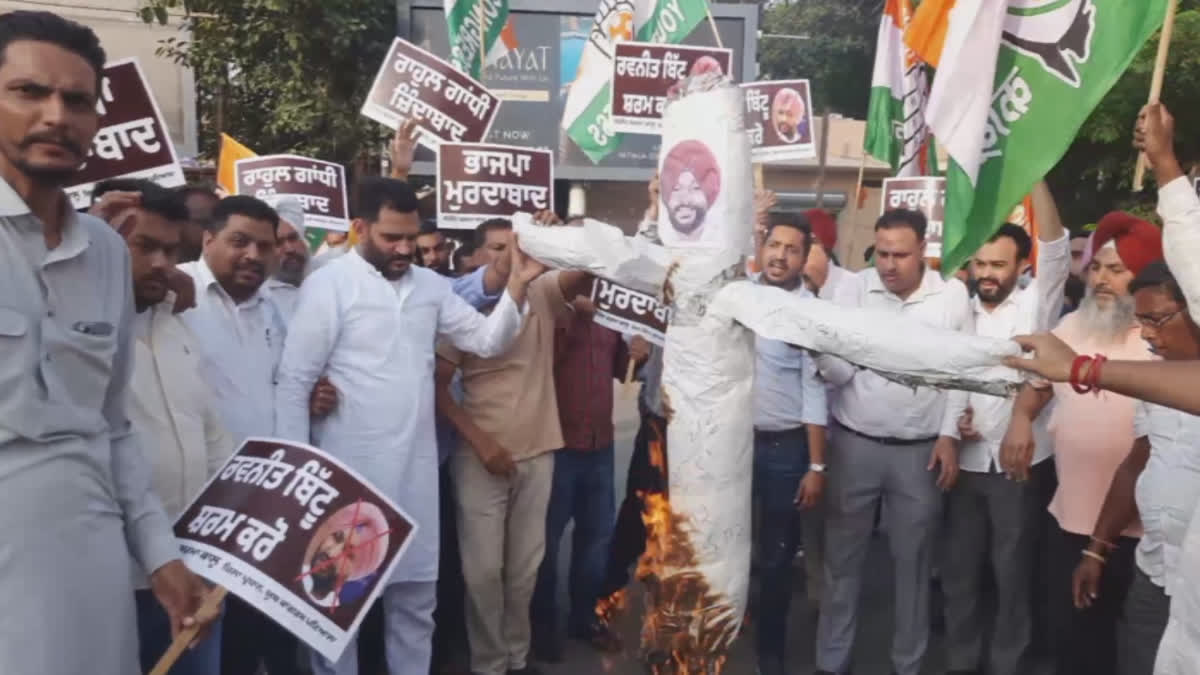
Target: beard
<point>1109,324</point>
<point>385,262</point>
<point>50,176</point>
<point>997,294</point>
<point>698,212</point>
<point>291,269</point>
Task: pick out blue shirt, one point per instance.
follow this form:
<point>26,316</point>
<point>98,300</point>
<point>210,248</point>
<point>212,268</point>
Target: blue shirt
<point>788,393</point>
<point>469,288</point>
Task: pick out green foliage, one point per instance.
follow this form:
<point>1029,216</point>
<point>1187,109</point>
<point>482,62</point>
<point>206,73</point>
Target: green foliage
<point>837,55</point>
<point>282,75</point>
<point>1096,174</point>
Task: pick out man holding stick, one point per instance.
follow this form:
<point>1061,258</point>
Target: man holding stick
<point>72,476</point>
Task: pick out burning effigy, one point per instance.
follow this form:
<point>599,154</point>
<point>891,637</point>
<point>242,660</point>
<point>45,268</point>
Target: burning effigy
<point>696,568</point>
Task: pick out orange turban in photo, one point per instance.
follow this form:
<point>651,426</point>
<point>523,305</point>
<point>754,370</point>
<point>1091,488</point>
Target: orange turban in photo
<point>695,157</point>
<point>1138,242</point>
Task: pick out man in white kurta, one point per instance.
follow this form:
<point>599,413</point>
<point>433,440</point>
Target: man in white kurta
<point>369,322</point>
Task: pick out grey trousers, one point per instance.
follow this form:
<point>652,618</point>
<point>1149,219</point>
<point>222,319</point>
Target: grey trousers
<point>861,473</point>
<point>408,633</point>
<point>991,522</point>
<point>1143,622</point>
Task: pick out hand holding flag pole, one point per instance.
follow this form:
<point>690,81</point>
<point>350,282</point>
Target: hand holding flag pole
<point>1156,83</point>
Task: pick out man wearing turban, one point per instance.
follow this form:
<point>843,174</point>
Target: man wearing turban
<point>691,182</point>
<point>788,114</point>
<point>345,554</point>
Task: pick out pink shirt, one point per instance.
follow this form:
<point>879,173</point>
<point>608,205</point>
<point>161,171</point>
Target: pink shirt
<point>1092,433</point>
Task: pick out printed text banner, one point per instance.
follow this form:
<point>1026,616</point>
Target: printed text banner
<point>779,120</point>
<point>446,104</point>
<point>477,181</point>
<point>133,141</point>
<point>298,536</point>
<point>926,194</point>
<point>644,74</point>
<point>319,186</point>
<point>629,312</point>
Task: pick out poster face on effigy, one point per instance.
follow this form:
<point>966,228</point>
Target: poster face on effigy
<point>629,312</point>
<point>644,74</point>
<point>925,194</point>
<point>297,535</point>
<point>447,104</point>
<point>319,186</point>
<point>779,120</point>
<point>477,181</point>
<point>133,141</point>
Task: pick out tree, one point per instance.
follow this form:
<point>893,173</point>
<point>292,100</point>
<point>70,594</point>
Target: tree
<point>1096,174</point>
<point>283,75</point>
<point>830,42</point>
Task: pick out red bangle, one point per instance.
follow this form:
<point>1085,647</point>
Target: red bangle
<point>1093,380</point>
<point>1076,368</point>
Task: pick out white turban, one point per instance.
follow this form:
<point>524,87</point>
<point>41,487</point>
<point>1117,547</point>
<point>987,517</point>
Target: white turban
<point>291,211</point>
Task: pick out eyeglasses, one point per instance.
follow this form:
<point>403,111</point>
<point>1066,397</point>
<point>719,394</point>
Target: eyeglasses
<point>1158,322</point>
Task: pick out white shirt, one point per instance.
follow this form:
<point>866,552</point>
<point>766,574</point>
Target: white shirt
<point>1168,489</point>
<point>241,344</point>
<point>285,296</point>
<point>872,405</point>
<point>172,411</point>
<point>835,278</point>
<point>1033,309</point>
<point>375,341</point>
<point>788,392</point>
<point>1179,207</point>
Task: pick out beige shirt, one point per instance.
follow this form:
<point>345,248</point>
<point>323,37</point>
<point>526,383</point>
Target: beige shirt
<point>511,397</point>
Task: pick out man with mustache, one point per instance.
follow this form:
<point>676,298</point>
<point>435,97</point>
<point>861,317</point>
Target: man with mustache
<point>434,248</point>
<point>170,405</point>
<point>691,182</point>
<point>76,504</point>
<point>370,319</point>
<point>892,443</point>
<point>200,202</point>
<point>240,330</point>
<point>1090,436</point>
<point>991,519</point>
<point>292,249</point>
<point>790,417</point>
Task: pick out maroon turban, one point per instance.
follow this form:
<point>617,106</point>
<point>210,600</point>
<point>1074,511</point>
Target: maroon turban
<point>691,156</point>
<point>824,227</point>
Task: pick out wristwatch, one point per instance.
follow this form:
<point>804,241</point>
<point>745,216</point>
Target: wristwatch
<point>816,468</point>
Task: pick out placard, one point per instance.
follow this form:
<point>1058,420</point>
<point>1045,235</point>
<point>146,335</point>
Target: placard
<point>297,535</point>
<point>629,312</point>
<point>779,120</point>
<point>133,141</point>
<point>447,104</point>
<point>319,186</point>
<point>926,194</point>
<point>477,181</point>
<point>644,74</point>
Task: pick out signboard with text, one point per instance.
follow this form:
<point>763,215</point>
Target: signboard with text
<point>133,141</point>
<point>629,312</point>
<point>319,186</point>
<point>925,194</point>
<point>297,535</point>
<point>447,104</point>
<point>779,120</point>
<point>478,181</point>
<point>644,74</point>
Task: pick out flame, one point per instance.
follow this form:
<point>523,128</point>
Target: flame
<point>688,628</point>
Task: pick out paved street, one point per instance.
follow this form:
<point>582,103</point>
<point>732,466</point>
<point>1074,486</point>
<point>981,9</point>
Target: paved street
<point>875,623</point>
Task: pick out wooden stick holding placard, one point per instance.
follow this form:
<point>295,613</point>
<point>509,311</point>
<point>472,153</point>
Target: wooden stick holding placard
<point>629,385</point>
<point>1156,83</point>
<point>713,24</point>
<point>482,39</point>
<point>823,157</point>
<point>212,601</point>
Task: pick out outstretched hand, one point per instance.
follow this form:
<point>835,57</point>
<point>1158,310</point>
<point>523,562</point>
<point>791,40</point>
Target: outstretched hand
<point>524,267</point>
<point>1050,357</point>
<point>403,148</point>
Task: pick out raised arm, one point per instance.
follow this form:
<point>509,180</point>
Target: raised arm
<point>597,249</point>
<point>1053,257</point>
<point>896,347</point>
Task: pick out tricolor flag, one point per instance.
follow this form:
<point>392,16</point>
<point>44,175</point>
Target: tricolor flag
<point>586,116</point>
<point>1015,81</point>
<point>464,18</point>
<point>896,131</point>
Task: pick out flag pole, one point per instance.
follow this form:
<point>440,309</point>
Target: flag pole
<point>212,602</point>
<point>1156,83</point>
<point>482,39</point>
<point>712,23</point>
